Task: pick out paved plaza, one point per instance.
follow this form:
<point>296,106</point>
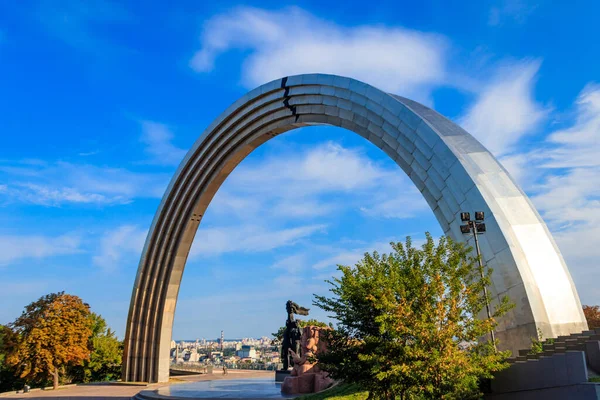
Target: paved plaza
<point>125,392</point>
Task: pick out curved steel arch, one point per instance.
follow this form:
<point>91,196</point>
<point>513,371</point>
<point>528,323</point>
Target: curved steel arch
<point>452,170</point>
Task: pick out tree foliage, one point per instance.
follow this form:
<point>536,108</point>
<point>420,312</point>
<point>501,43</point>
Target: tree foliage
<point>537,344</point>
<point>592,315</point>
<point>8,374</point>
<point>52,333</point>
<point>408,326</point>
<point>104,363</point>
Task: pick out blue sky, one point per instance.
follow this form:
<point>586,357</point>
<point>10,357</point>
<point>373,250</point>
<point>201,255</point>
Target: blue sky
<point>100,100</point>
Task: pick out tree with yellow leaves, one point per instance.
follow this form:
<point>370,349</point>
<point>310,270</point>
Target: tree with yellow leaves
<point>53,333</point>
<point>408,323</point>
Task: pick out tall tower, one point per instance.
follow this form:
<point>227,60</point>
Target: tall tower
<point>222,340</point>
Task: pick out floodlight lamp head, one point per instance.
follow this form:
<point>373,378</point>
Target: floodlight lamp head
<point>465,229</point>
<point>465,216</point>
<point>479,215</point>
<point>480,227</point>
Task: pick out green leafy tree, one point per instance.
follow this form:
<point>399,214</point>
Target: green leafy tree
<point>537,344</point>
<point>106,352</point>
<point>53,333</point>
<point>407,323</point>
<point>9,379</point>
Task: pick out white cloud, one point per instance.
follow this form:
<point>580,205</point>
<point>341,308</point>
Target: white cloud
<point>322,180</point>
<point>292,264</point>
<point>88,153</point>
<point>350,256</point>
<point>515,10</point>
<point>326,167</point>
<point>579,145</point>
<point>124,241</point>
<point>247,239</point>
<point>292,41</point>
<point>15,247</point>
<point>568,191</point>
<point>157,138</point>
<point>506,110</point>
<point>303,208</point>
<point>127,241</point>
<point>59,183</point>
<point>396,198</point>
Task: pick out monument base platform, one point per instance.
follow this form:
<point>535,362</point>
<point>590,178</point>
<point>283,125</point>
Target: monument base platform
<point>280,375</point>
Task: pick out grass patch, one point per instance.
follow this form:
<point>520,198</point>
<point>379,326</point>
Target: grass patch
<point>339,392</point>
<point>595,379</point>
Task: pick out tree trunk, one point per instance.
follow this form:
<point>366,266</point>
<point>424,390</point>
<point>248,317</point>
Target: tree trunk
<point>55,379</point>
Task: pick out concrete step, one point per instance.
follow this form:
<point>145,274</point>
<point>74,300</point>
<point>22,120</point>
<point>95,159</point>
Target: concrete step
<point>524,352</point>
<point>576,346</point>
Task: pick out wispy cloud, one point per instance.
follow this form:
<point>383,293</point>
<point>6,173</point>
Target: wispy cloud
<point>578,145</point>
<point>158,140</point>
<point>318,181</point>
<point>18,247</point>
<point>350,255</point>
<point>291,41</point>
<point>58,183</point>
<point>292,264</point>
<point>248,239</point>
<point>505,109</point>
<point>325,167</point>
<point>115,245</point>
<point>513,10</point>
<point>88,153</point>
<point>570,195</point>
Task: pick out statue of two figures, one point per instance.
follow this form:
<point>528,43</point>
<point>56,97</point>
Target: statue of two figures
<point>292,333</point>
<point>299,349</point>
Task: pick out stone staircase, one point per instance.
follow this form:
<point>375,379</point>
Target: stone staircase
<point>586,341</point>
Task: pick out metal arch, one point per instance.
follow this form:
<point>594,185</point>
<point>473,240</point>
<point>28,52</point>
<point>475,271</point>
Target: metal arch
<point>450,168</point>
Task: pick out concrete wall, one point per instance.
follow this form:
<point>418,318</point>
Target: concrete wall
<point>561,376</point>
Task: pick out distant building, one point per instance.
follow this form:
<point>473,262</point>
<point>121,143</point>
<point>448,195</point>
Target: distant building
<point>247,352</point>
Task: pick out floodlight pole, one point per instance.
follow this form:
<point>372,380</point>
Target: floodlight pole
<point>485,293</point>
<point>472,225</point>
